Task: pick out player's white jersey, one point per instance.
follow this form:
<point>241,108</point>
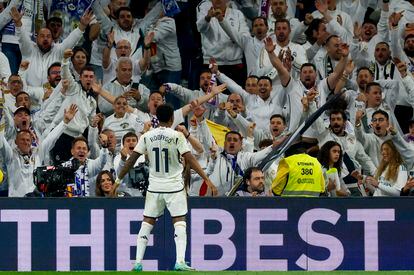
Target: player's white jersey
<point>164,147</point>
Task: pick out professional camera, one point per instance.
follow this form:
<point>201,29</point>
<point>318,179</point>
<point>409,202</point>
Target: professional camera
<point>51,181</point>
<point>138,177</point>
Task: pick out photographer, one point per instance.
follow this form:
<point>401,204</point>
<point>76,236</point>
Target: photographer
<point>88,168</point>
<point>23,159</point>
<point>129,141</point>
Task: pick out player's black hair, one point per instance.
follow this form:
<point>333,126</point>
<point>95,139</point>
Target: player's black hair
<point>278,116</point>
<point>165,112</point>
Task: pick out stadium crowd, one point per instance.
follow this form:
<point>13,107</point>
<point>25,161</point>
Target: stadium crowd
<point>81,84</point>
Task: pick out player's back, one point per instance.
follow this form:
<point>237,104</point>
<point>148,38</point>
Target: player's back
<point>164,147</point>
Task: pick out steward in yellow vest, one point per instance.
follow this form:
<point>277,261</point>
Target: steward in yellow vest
<point>299,175</point>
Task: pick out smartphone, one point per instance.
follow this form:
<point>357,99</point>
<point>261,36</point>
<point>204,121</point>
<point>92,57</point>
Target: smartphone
<point>135,85</point>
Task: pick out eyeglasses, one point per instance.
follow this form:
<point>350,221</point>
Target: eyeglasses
<point>377,120</point>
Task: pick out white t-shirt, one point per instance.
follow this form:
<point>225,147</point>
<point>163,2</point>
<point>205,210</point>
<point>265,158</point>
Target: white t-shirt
<point>121,126</point>
<point>164,148</point>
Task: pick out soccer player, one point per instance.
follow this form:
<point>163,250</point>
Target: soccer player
<point>166,185</point>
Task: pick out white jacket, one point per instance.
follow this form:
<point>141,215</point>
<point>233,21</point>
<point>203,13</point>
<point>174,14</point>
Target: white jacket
<point>216,43</point>
<point>75,95</point>
<point>20,168</point>
<point>40,62</point>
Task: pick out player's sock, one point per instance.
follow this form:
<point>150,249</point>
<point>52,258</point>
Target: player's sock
<point>142,240</point>
<point>180,237</point>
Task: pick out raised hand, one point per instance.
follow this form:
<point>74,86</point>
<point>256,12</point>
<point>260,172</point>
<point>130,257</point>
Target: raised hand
<point>111,38</point>
<point>103,140</point>
<point>133,93</point>
<point>16,16</point>
<point>86,19</point>
<point>182,129</point>
<point>229,109</point>
<point>149,38</point>
<point>287,59</point>
<point>96,88</point>
<point>147,127</point>
<point>114,190</point>
<point>213,66</point>
<point>395,18</point>
<point>277,141</point>
<point>305,103</point>
<point>391,129</point>
<point>70,113</point>
<point>250,129</point>
<point>65,86</point>
<point>219,15</point>
<point>124,153</point>
<point>269,46</point>
<point>47,92</point>
<point>210,14</point>
<point>358,116</point>
<point>219,89</point>
<point>308,18</point>
<point>312,94</point>
<point>96,120</point>
<point>401,66</point>
<point>199,112</point>
<point>349,68</point>
<point>68,53</point>
<point>24,65</point>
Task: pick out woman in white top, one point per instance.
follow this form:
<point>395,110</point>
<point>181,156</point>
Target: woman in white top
<point>79,60</point>
<point>391,173</point>
<point>330,156</point>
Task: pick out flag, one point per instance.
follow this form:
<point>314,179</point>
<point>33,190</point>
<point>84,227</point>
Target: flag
<point>170,7</point>
<point>70,11</point>
<point>218,131</point>
<point>264,8</point>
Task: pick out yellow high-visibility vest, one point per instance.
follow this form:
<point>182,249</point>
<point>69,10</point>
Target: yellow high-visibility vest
<point>299,176</point>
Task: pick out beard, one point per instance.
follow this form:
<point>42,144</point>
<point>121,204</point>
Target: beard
<point>409,53</point>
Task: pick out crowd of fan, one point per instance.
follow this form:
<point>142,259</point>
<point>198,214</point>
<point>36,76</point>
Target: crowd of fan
<point>89,93</point>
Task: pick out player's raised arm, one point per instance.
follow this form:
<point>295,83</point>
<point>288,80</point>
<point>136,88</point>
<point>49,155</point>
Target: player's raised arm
<point>190,159</point>
<point>128,164</point>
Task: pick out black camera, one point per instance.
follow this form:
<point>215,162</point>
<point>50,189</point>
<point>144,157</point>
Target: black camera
<point>52,181</point>
<point>138,177</point>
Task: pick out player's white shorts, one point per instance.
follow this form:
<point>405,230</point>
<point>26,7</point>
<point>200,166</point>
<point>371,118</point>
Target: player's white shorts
<point>155,204</point>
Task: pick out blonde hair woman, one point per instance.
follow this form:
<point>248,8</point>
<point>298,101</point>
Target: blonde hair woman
<point>391,173</point>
